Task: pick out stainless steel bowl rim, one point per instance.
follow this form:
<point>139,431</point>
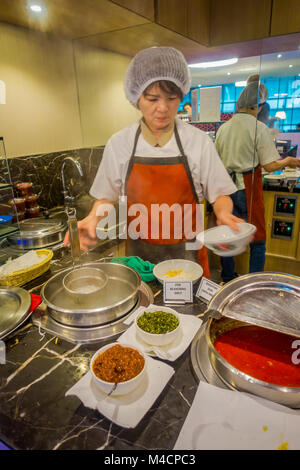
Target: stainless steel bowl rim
<point>93,310</point>
<point>104,278</point>
<point>240,373</point>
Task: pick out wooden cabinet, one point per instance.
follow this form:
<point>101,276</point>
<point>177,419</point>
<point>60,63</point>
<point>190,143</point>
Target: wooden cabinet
<point>278,246</point>
<point>285,17</point>
<point>141,7</point>
<point>282,255</point>
<point>173,15</point>
<point>191,18</point>
<point>237,21</point>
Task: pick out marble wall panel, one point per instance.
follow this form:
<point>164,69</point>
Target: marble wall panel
<point>44,171</point>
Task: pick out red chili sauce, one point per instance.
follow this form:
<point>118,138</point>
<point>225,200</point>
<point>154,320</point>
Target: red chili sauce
<point>263,354</point>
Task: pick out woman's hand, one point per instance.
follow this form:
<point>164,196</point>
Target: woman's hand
<point>227,218</point>
<point>223,207</point>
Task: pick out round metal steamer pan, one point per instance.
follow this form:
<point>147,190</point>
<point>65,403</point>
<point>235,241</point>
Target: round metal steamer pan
<point>102,313</point>
<point>39,233</point>
<point>236,379</point>
<point>229,375</point>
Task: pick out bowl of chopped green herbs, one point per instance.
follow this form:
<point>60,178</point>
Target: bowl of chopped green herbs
<point>158,326</point>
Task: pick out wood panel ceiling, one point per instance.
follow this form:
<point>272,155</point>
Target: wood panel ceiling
<point>110,25</point>
<point>70,18</point>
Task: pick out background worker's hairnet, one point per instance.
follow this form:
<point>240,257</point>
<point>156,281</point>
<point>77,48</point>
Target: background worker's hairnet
<point>154,64</point>
<point>253,95</point>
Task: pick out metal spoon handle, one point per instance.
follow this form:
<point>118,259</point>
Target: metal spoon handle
<point>112,389</point>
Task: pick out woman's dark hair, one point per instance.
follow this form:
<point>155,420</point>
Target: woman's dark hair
<point>167,87</point>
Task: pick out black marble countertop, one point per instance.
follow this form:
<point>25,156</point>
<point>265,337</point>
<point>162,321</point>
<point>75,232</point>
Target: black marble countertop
<point>281,188</point>
<point>39,370</point>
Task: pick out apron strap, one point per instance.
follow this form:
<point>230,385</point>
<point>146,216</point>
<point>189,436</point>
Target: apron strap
<point>182,154</point>
<point>131,161</point>
<point>185,163</point>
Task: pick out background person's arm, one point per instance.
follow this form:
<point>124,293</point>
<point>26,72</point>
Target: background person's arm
<point>279,164</point>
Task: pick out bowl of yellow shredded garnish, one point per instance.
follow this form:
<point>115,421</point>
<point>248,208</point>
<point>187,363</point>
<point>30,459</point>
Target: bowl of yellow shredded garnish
<point>178,270</point>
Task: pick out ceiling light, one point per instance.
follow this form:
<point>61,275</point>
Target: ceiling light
<point>228,73</point>
<point>279,56</point>
<point>36,8</point>
<point>290,66</point>
<point>216,63</point>
<point>242,83</point>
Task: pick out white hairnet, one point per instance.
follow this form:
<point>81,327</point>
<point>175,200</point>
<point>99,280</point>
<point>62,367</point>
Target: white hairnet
<point>255,93</point>
<point>154,64</point>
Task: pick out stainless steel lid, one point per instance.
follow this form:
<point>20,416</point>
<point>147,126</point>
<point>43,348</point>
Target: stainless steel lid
<point>39,227</point>
<point>14,306</point>
<point>270,300</point>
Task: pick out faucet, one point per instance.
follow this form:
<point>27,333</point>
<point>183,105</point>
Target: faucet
<point>67,198</point>
<point>71,213</point>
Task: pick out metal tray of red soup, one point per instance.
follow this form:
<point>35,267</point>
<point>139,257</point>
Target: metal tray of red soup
<point>254,344</point>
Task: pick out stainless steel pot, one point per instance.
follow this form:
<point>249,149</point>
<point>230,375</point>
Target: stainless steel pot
<point>116,299</point>
<point>39,233</point>
<point>236,379</point>
<point>270,300</point>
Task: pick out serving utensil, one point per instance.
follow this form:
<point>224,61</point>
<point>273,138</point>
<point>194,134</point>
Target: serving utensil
<point>84,283</point>
<point>113,389</point>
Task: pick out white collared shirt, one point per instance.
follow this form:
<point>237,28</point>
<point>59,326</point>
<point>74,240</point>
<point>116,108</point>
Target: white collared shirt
<point>209,175</point>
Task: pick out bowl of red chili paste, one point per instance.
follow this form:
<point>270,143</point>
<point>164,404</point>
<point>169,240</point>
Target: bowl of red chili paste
<point>119,364</point>
<point>255,359</point>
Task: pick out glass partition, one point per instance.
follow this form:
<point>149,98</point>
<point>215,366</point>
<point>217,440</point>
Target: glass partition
<point>280,73</point>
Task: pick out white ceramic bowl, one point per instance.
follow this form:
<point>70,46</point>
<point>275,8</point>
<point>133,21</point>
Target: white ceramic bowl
<point>224,241</point>
<point>157,339</point>
<point>274,179</point>
<point>122,387</point>
<point>190,271</point>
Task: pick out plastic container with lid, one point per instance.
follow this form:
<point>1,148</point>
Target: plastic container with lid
<point>18,204</point>
<point>32,212</point>
<point>24,189</point>
<point>31,201</point>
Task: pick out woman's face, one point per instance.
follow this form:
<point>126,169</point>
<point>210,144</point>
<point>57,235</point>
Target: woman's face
<point>158,107</point>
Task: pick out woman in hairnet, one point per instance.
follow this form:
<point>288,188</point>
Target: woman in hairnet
<point>160,161</point>
<point>245,146</point>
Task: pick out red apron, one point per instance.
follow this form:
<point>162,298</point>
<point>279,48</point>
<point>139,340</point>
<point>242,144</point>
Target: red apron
<point>162,181</point>
<point>255,202</point>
